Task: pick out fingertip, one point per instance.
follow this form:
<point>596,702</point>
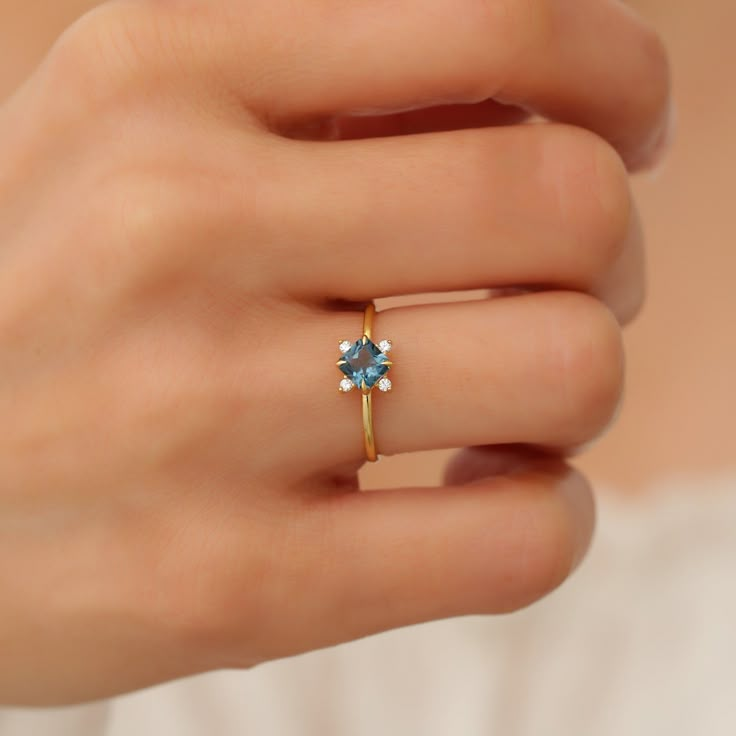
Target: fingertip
<point>650,159</point>
<point>495,544</point>
<point>552,532</point>
<point>478,465</point>
<point>578,494</point>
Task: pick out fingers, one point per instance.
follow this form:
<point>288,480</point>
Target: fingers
<point>540,369</point>
<point>591,63</point>
<point>533,205</point>
<point>360,563</point>
<point>398,557</point>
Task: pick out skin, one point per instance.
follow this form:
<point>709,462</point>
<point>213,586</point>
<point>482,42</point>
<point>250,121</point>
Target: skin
<point>180,231</point>
<point>677,419</point>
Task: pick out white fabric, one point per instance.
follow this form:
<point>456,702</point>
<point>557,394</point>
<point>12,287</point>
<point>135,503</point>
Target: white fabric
<point>641,641</point>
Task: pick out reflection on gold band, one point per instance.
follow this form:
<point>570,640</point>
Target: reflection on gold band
<point>368,436</point>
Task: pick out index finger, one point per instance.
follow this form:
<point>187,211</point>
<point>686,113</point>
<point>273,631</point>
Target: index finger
<point>591,63</point>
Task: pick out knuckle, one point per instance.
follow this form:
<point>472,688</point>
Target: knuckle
<point>147,219</point>
<point>591,197</point>
<point>160,213</point>
<point>588,367</point>
<point>162,217</point>
<point>104,52</point>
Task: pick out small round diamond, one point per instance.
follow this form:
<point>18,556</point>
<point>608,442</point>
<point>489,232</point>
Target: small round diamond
<point>385,346</point>
<point>345,345</point>
<point>346,385</point>
<point>385,385</point>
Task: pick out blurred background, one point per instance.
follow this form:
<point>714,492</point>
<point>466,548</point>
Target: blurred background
<point>643,639</point>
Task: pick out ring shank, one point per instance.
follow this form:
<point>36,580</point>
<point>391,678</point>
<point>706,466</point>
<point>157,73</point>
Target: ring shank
<point>368,435</point>
<point>370,441</point>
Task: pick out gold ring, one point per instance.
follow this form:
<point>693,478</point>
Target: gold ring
<point>365,365</point>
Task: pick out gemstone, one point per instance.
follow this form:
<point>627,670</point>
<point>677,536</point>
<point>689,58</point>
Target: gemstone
<point>346,385</point>
<point>365,364</point>
<point>385,384</point>
<point>345,345</point>
<point>385,346</point>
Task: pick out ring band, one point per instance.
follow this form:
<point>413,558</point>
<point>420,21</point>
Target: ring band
<point>369,437</point>
<point>365,365</point>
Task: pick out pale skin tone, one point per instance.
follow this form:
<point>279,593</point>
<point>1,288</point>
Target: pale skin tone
<point>186,214</point>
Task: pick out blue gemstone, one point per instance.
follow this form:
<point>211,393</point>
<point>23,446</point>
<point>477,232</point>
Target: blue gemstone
<point>364,363</point>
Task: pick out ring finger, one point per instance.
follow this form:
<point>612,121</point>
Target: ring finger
<point>543,369</point>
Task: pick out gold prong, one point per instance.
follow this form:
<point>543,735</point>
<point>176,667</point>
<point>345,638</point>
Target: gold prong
<point>364,388</point>
<point>365,339</point>
<point>389,363</point>
<point>341,362</point>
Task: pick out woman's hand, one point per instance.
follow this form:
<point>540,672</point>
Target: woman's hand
<point>188,208</point>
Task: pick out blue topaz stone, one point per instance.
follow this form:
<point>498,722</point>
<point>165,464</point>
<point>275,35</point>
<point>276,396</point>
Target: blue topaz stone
<point>364,364</point>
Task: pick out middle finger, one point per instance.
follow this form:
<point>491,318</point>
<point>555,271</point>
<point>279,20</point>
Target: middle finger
<point>534,205</point>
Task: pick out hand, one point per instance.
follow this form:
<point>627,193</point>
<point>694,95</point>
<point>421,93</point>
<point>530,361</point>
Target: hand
<point>188,206</point>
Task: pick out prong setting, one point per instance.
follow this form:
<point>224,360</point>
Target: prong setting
<point>364,365</point>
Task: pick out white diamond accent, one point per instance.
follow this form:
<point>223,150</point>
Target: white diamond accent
<point>346,385</point>
<point>385,346</point>
<point>385,385</point>
<point>345,345</point>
